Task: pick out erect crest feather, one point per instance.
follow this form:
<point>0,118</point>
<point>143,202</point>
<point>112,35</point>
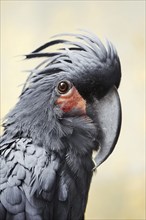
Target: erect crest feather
<point>86,54</point>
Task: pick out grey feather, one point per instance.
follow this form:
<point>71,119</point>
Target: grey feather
<point>46,153</point>
<point>15,216</point>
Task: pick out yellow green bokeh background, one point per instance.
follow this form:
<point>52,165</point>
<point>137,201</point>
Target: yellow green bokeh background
<point>118,188</point>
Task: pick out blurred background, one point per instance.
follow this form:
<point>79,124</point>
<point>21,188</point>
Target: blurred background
<point>118,187</point>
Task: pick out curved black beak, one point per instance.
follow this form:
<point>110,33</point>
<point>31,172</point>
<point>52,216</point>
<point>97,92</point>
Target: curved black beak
<point>108,111</point>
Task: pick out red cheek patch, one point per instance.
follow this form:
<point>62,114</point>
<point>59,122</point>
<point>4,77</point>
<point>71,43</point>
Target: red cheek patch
<point>72,100</point>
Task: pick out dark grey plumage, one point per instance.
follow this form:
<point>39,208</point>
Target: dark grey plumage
<point>46,154</point>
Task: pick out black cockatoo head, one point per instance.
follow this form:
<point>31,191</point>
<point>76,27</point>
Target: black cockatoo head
<point>74,87</point>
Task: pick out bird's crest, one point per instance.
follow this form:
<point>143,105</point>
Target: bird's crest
<point>84,54</point>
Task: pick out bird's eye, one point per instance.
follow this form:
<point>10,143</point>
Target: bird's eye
<point>63,87</point>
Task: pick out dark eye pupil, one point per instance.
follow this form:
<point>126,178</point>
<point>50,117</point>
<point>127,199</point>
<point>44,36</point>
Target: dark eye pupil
<point>63,87</point>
